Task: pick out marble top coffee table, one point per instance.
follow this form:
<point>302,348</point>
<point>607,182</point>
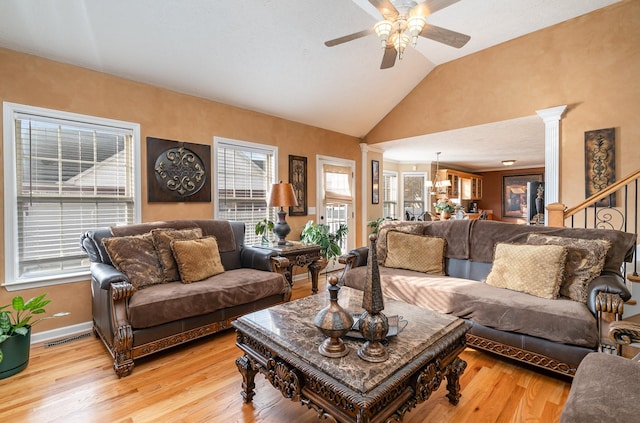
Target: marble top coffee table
<point>282,343</point>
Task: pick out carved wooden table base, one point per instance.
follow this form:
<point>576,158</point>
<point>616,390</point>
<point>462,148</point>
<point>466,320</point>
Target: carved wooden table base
<point>297,254</point>
<point>282,343</point>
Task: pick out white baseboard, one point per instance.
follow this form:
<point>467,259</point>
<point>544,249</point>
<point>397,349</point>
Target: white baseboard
<point>63,332</point>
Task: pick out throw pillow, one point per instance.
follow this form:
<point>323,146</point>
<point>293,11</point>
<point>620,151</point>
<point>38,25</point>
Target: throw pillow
<point>533,269</point>
<point>136,257</point>
<point>415,252</point>
<point>585,260</point>
<point>386,227</point>
<point>197,259</point>
<point>162,242</point>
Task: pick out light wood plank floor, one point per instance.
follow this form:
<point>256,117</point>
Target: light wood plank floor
<point>199,382</point>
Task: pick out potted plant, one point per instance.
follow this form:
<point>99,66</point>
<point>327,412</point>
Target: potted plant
<point>15,332</point>
<point>264,227</point>
<point>445,207</point>
<point>320,234</point>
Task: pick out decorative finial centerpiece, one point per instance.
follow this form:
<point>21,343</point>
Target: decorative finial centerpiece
<point>373,324</point>
<point>334,322</point>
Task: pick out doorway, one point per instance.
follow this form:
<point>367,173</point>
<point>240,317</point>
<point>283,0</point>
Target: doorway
<point>336,197</point>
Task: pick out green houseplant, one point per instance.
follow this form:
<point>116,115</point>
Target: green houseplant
<point>15,331</point>
<point>264,227</point>
<point>320,234</point>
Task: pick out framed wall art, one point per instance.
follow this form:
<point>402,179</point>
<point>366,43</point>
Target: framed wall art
<point>515,195</point>
<point>600,163</point>
<point>178,171</point>
<point>375,182</point>
<point>298,179</point>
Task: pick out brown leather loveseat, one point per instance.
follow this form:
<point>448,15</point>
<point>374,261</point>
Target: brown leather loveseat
<point>135,318</point>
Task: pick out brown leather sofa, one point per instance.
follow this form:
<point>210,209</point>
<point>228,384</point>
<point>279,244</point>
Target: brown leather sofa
<point>555,334</point>
<point>136,323</point>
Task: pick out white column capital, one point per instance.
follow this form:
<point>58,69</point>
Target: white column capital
<point>553,114</point>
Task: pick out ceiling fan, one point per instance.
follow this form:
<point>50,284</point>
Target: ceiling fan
<point>403,22</point>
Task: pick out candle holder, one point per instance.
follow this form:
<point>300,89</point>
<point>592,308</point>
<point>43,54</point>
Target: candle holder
<point>373,324</point>
<point>334,322</point>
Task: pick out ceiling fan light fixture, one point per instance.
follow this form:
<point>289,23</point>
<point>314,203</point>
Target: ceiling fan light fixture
<point>400,41</point>
<point>415,25</point>
<point>383,30</point>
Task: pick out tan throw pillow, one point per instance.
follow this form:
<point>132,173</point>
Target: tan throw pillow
<point>585,260</point>
<point>386,227</point>
<point>415,252</point>
<point>533,269</point>
<point>197,259</point>
<point>162,242</point>
<point>136,257</point>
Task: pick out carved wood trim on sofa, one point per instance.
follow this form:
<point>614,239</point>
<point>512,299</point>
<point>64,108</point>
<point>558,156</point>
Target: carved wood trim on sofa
<point>519,354</point>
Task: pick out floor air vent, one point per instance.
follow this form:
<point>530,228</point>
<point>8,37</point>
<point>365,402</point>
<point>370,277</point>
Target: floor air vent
<point>67,340</point>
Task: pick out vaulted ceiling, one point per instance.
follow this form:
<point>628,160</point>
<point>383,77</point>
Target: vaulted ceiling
<point>265,55</point>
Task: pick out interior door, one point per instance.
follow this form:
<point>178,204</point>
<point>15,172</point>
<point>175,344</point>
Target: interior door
<point>336,197</point>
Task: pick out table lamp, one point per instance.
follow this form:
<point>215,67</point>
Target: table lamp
<point>282,196</point>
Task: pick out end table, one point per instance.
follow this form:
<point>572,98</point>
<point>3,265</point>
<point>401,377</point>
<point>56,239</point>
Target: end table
<point>296,254</point>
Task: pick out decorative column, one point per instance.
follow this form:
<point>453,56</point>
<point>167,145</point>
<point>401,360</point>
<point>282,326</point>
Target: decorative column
<point>364,148</point>
<point>551,118</point>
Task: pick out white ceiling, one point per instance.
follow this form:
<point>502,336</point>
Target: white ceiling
<point>476,148</point>
<point>269,56</point>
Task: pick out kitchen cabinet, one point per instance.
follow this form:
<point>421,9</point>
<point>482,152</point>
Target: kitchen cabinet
<point>464,186</point>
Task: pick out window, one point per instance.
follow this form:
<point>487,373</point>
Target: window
<point>244,174</point>
<point>413,195</point>
<point>64,174</point>
<point>390,195</point>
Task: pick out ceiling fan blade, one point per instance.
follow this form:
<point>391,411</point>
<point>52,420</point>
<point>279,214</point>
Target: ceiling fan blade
<point>428,7</point>
<point>385,8</point>
<point>445,36</point>
<point>389,57</point>
<point>349,37</point>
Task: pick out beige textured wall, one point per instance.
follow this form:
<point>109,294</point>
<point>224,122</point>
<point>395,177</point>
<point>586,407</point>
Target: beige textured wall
<point>34,81</point>
<point>590,63</point>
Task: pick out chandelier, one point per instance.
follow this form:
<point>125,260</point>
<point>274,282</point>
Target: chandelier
<point>400,31</point>
<point>437,186</point>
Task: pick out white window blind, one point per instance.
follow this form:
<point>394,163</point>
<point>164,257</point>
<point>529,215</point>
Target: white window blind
<point>68,177</point>
<point>390,195</point>
<point>245,173</point>
<point>337,184</point>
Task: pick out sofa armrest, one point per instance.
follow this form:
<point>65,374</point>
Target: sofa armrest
<point>624,332</point>
<point>356,257</point>
<point>609,285</point>
<point>256,258</point>
<point>105,275</point>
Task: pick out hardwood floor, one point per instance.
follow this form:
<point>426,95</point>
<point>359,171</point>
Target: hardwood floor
<point>199,382</point>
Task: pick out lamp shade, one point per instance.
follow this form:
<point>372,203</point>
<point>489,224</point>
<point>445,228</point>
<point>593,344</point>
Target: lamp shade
<point>282,195</point>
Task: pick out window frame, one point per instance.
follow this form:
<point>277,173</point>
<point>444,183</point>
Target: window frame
<point>246,145</point>
<point>395,201</point>
<point>12,281</point>
<point>425,192</point>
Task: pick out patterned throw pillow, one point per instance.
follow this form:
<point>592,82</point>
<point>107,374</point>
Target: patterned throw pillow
<point>386,227</point>
<point>415,252</point>
<point>585,260</point>
<point>162,242</point>
<point>197,259</point>
<point>533,269</point>
<point>136,257</point>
